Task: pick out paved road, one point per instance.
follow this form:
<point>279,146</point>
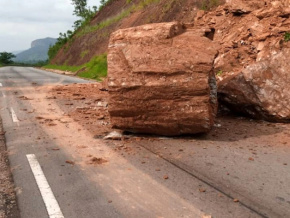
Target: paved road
<point>126,186</point>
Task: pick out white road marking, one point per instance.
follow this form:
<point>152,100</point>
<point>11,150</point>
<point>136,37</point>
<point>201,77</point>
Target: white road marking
<point>2,91</point>
<point>50,201</point>
<point>14,117</point>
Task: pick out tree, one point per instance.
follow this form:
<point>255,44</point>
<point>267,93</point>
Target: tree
<point>80,8</point>
<point>5,57</point>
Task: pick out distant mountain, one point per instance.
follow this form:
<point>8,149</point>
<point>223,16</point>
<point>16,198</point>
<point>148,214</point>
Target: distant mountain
<point>17,52</point>
<point>37,52</point>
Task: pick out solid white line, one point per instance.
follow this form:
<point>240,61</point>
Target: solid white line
<point>14,117</point>
<point>50,202</point>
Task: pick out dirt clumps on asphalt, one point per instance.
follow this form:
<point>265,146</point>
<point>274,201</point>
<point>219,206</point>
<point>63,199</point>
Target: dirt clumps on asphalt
<point>97,161</point>
<point>85,104</point>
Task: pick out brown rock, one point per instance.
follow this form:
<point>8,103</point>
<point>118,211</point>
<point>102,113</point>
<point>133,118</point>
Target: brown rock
<point>262,89</point>
<point>243,6</point>
<point>161,81</point>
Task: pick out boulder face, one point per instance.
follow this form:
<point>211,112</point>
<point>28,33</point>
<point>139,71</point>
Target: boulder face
<point>161,80</point>
<point>262,89</point>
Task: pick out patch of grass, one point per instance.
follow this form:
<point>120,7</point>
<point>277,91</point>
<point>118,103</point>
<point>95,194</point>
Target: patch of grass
<point>287,37</point>
<point>96,68</point>
<point>88,29</point>
<point>84,53</point>
<point>209,4</point>
<point>167,6</point>
<point>63,67</point>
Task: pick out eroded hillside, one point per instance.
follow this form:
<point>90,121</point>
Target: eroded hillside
<point>92,40</point>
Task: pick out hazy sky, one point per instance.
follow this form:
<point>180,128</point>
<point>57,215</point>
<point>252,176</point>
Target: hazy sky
<point>22,21</point>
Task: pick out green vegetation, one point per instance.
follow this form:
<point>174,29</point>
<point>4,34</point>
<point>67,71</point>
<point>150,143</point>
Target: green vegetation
<point>84,53</point>
<point>106,23</point>
<point>85,14</point>
<point>82,27</point>
<point>6,58</point>
<point>219,73</point>
<point>208,4</point>
<point>287,37</point>
<point>167,6</point>
<point>96,68</point>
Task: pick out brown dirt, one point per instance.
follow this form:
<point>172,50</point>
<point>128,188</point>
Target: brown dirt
<point>96,43</point>
<point>80,102</point>
<point>8,207</point>
<point>86,104</point>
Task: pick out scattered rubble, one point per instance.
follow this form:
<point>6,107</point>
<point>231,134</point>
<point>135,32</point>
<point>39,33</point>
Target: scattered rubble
<point>97,161</point>
<point>70,162</point>
<point>253,58</point>
<point>24,98</point>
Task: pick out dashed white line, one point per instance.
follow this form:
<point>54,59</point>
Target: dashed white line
<point>2,91</point>
<point>14,117</point>
<point>50,201</point>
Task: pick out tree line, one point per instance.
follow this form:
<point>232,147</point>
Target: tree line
<point>6,58</point>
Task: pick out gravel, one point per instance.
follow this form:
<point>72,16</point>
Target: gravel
<point>8,203</point>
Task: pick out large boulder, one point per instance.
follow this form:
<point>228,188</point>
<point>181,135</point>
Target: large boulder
<point>161,80</point>
<point>261,90</point>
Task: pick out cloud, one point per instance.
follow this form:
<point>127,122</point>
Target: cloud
<point>21,22</point>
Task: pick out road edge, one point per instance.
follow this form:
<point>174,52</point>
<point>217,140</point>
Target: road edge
<point>8,200</point>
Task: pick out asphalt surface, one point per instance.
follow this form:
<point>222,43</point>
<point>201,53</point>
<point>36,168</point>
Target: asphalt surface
<point>162,179</point>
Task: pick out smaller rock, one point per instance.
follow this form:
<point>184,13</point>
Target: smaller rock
<point>70,162</point>
<point>202,190</point>
<point>115,135</point>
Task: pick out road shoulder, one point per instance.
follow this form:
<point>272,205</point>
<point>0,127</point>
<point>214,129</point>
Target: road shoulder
<point>8,205</point>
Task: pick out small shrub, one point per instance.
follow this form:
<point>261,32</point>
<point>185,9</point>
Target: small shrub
<point>287,37</point>
<point>219,73</point>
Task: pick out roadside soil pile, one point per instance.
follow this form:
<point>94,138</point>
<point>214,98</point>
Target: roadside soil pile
<point>253,59</point>
<point>8,207</point>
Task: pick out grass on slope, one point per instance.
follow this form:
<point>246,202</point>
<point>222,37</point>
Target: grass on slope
<point>96,68</point>
<point>88,29</point>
